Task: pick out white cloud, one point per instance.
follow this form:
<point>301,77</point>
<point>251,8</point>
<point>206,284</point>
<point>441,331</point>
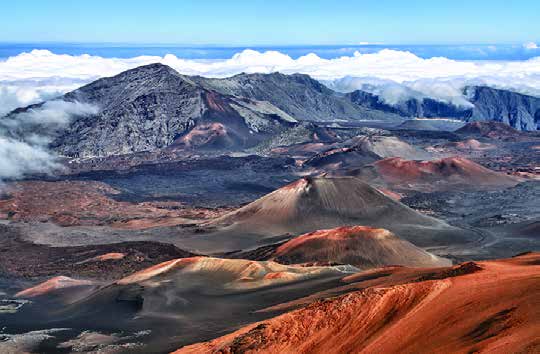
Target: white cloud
<point>24,137</point>
<point>53,113</point>
<point>18,158</point>
<point>21,93</point>
<point>32,77</point>
<point>394,65</point>
<point>530,45</point>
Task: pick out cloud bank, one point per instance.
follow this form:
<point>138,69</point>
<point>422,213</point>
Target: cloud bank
<point>39,74</point>
<point>24,137</point>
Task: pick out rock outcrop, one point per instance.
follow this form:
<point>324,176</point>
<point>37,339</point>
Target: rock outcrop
<point>299,95</point>
<point>487,104</point>
<point>153,107</point>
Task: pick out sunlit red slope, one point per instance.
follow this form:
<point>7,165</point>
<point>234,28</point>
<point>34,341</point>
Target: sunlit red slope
<point>489,307</point>
<point>52,285</point>
<point>494,130</point>
<point>238,274</point>
<point>440,174</point>
<point>361,246</point>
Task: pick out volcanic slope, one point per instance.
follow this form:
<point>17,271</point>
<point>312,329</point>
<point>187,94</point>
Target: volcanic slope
<point>52,285</point>
<point>301,96</point>
<point>493,130</point>
<point>311,204</point>
<point>192,299</point>
<point>226,274</point>
<point>362,150</point>
<point>442,174</point>
<point>153,107</point>
<point>360,246</point>
<point>476,307</point>
<point>463,146</point>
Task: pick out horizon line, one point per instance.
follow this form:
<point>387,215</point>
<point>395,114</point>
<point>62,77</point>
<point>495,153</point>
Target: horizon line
<point>268,45</point>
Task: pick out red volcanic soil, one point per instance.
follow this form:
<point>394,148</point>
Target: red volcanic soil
<point>217,103</point>
<point>69,203</point>
<point>203,134</point>
<point>487,306</point>
<point>361,246</point>
<point>493,130</point>
<point>51,285</point>
<point>440,173</point>
<point>109,256</point>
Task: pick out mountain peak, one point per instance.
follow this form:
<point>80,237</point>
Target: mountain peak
<point>152,68</point>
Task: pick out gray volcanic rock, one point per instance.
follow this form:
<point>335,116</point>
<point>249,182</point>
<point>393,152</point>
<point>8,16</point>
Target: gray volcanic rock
<point>299,95</point>
<point>140,109</point>
<point>521,112</point>
<point>431,124</point>
<point>153,107</point>
<point>426,107</point>
<point>487,104</point>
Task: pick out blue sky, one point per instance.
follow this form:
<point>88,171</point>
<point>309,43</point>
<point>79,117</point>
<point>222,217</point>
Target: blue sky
<point>270,22</point>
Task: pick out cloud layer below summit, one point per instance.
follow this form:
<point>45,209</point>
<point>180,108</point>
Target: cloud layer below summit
<point>24,137</point>
<point>37,75</point>
<point>394,75</point>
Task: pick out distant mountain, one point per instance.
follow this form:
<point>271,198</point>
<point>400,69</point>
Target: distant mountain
<point>521,112</point>
<point>299,95</point>
<point>426,107</point>
<point>488,104</point>
<point>154,107</point>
